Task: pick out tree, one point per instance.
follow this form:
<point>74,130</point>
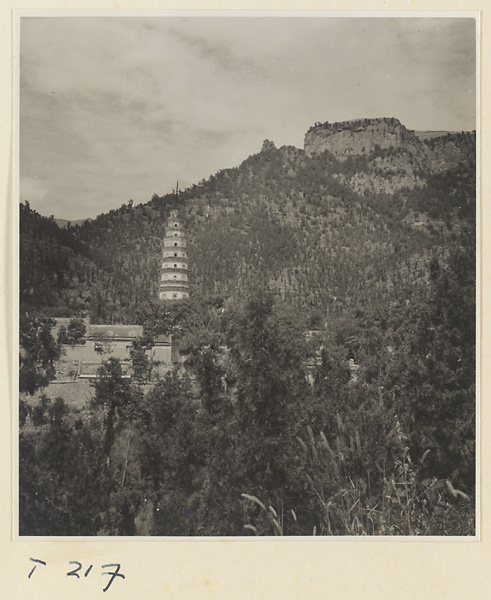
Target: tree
<point>74,334</point>
<point>38,353</point>
<point>62,486</point>
<point>171,454</point>
<point>112,392</point>
<point>268,353</point>
<point>429,378</point>
<point>331,391</point>
<point>139,361</point>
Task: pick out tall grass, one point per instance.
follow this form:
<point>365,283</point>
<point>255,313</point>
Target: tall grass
<point>340,499</point>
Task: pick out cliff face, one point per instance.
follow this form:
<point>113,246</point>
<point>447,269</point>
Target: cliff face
<point>394,156</point>
<point>362,137</point>
<point>448,150</point>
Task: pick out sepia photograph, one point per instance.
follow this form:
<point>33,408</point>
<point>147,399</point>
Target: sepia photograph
<point>247,276</point>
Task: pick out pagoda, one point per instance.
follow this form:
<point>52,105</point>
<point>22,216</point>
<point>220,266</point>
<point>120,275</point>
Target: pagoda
<point>174,271</point>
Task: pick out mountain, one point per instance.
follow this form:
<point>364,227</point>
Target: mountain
<point>352,219</point>
<point>54,265</point>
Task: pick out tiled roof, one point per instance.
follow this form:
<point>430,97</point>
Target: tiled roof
<point>114,332</point>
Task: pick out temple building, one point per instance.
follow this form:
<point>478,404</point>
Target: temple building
<point>174,271</point>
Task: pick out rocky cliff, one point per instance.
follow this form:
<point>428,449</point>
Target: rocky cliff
<point>387,155</point>
<point>449,149</point>
<point>362,137</point>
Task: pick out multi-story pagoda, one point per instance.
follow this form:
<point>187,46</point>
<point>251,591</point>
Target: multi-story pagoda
<point>174,273</point>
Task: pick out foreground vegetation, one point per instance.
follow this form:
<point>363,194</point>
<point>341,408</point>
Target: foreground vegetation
<point>274,433</point>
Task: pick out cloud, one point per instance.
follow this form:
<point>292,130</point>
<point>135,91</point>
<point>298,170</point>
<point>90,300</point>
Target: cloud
<point>218,54</point>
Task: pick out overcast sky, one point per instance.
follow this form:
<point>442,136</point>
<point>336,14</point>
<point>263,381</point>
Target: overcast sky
<point>113,109</point>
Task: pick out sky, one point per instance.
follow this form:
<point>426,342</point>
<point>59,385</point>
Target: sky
<point>120,108</point>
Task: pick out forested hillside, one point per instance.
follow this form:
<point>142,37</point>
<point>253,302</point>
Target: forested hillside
<point>362,426</point>
<point>288,219</point>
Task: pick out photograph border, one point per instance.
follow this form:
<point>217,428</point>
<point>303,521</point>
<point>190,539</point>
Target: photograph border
<point>286,541</point>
